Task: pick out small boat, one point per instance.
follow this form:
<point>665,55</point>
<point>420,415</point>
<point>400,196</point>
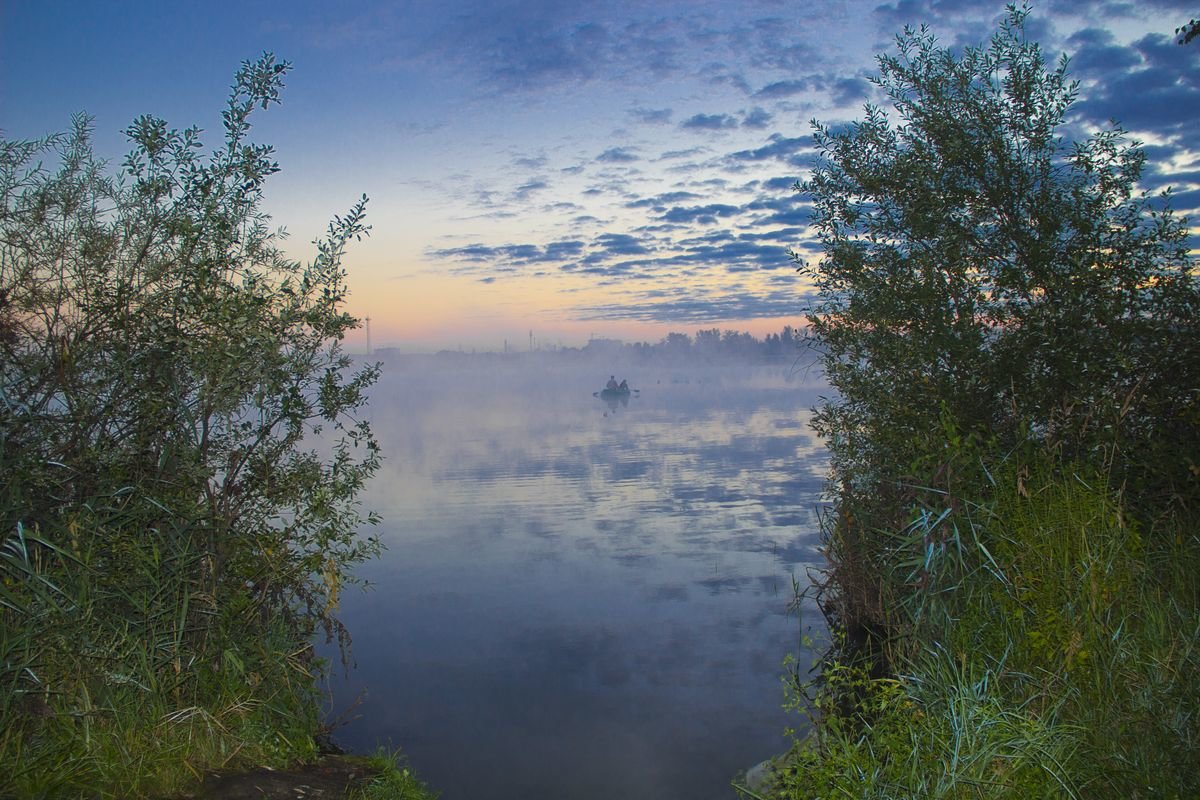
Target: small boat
<point>614,394</point>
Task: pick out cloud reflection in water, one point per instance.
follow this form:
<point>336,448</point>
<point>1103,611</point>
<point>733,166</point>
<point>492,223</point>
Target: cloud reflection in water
<point>578,601</point>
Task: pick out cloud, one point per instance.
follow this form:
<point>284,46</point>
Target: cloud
<point>688,153</point>
<point>719,75</point>
<point>527,57</point>
<point>1159,95</point>
<point>530,46</point>
<point>1094,50</point>
<point>894,16</point>
<point>785,209</point>
<point>509,255</point>
<point>779,147</point>
<point>703,215</point>
<point>709,122</point>
<point>660,201</point>
<point>736,255</point>
<point>847,91</point>
<point>531,162</point>
<point>651,116</point>
<point>679,241</point>
<point>795,216</point>
<point>1156,178</point>
<point>701,234</point>
<point>523,191</point>
<point>785,88</point>
<point>780,184</point>
<point>617,155</point>
<point>1132,9</point>
<point>756,118</point>
<point>700,309</point>
<point>1186,201</point>
<point>620,244</point>
<point>556,251</point>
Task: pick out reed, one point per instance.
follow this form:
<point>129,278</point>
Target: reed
<point>130,683</point>
<point>1044,644</point>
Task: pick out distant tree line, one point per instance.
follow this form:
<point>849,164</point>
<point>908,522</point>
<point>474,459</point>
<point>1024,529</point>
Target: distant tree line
<point>711,344</point>
<point>714,344</point>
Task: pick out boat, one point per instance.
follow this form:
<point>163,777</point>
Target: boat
<point>613,394</point>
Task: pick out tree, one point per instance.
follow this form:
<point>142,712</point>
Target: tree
<point>164,369</point>
<point>984,278</point>
<point>978,266</point>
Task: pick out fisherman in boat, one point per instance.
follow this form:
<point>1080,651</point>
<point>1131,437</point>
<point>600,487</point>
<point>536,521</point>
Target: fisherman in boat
<point>624,387</point>
<point>612,382</point>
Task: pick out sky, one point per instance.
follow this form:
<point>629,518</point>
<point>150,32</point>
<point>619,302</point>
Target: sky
<point>546,172</point>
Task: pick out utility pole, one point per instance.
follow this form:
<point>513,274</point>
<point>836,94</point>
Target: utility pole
<point>368,336</point>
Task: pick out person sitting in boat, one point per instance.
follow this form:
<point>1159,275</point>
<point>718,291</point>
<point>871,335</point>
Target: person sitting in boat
<point>624,387</point>
<point>612,382</point>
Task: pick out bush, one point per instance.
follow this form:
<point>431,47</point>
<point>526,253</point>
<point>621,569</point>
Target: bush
<point>181,453</point>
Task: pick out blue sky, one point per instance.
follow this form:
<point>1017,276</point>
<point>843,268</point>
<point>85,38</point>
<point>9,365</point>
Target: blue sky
<point>564,168</point>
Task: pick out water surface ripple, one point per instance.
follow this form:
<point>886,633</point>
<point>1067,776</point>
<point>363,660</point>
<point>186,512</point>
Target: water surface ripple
<point>582,599</point>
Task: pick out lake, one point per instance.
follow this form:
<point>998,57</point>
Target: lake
<point>584,599</point>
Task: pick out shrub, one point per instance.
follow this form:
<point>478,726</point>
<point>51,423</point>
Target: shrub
<point>181,452</point>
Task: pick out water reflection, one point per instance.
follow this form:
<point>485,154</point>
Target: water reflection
<point>581,601</point>
<point>614,400</point>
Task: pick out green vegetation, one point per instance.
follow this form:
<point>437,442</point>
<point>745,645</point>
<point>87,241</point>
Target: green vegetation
<point>181,457</point>
<point>1015,560</point>
<point>395,781</point>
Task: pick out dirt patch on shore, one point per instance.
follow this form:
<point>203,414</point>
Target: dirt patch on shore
<point>331,778</point>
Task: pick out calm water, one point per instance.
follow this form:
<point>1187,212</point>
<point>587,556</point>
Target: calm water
<point>578,600</point>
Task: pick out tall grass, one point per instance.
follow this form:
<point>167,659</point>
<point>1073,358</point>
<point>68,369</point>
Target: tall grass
<point>394,780</point>
<point>122,678</point>
<point>1045,642</point>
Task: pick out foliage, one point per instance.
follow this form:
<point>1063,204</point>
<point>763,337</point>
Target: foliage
<point>395,781</point>
<point>983,276</point>
<point>179,441</point>
<point>948,739</point>
<point>1055,659</point>
<point>1010,327</point>
<point>977,264</point>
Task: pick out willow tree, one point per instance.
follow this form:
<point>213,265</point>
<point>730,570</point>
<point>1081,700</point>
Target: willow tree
<point>179,430</point>
<point>985,275</point>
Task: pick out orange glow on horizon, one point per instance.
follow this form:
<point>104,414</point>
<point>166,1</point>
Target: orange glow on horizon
<point>417,309</point>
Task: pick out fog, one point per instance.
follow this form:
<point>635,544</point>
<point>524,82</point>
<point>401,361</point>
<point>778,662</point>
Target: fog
<point>584,598</point>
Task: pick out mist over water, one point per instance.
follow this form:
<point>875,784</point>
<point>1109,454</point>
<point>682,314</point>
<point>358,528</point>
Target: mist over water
<point>584,599</point>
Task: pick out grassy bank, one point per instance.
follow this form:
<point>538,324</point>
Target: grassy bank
<point>394,780</point>
<point>122,683</point>
<point>121,676</point>
<point>1043,641</point>
<point>125,681</point>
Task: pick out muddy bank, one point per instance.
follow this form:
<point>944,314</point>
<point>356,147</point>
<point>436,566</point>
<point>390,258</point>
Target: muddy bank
<point>333,777</point>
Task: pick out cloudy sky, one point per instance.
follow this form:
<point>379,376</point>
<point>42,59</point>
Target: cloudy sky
<point>560,167</point>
